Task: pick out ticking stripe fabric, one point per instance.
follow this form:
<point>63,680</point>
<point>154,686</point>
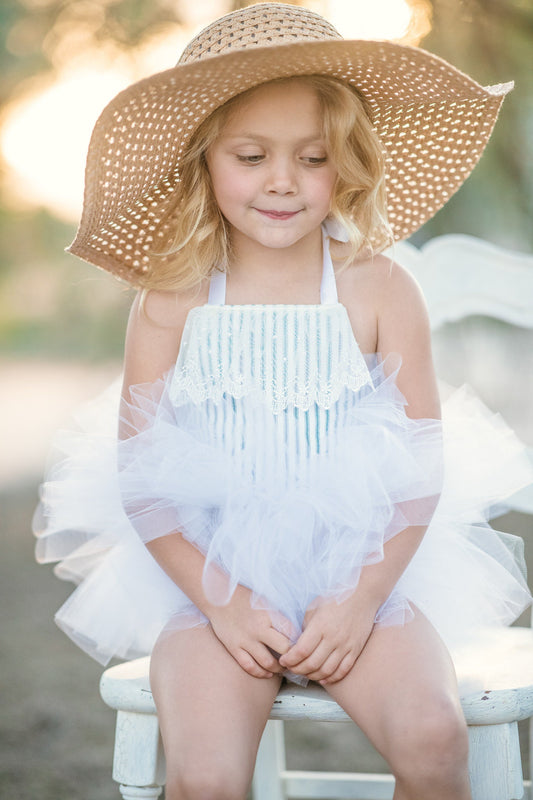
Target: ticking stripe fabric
<point>284,355</point>
<point>269,384</point>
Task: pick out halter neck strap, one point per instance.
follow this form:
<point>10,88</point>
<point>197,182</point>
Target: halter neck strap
<point>217,289</point>
<point>328,286</point>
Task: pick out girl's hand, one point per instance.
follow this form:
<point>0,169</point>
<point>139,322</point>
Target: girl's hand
<point>249,636</point>
<point>333,637</point>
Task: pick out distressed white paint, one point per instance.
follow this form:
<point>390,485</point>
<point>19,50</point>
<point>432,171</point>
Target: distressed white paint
<point>495,764</point>
<point>463,275</point>
<point>268,783</point>
<point>494,767</point>
<point>137,792</point>
<point>492,711</point>
<point>138,756</point>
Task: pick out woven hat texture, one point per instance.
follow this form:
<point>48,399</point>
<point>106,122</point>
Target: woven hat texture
<point>433,122</point>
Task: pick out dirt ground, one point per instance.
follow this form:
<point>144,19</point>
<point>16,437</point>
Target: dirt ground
<point>56,735</point>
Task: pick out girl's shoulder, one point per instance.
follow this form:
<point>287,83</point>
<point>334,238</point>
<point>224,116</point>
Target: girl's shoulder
<point>384,280</point>
<point>377,293</point>
<point>155,328</point>
<point>379,277</point>
<point>168,309</point>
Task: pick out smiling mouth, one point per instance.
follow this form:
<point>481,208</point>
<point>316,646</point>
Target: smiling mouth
<point>277,214</point>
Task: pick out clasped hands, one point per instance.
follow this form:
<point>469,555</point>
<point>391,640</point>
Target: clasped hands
<point>334,634</point>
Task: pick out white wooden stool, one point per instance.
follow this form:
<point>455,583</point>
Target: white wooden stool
<point>492,713</point>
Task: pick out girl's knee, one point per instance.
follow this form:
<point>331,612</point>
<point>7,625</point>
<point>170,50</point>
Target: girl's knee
<point>208,783</point>
<point>433,744</point>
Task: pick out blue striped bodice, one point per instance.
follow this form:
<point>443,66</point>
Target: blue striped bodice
<point>270,384</point>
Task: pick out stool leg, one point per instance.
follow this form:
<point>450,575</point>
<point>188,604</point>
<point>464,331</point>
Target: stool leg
<point>495,764</point>
<point>138,762</point>
<point>531,754</point>
<point>137,792</point>
<point>270,763</point>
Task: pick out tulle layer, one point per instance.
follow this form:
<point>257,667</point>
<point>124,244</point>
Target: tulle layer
<point>291,531</point>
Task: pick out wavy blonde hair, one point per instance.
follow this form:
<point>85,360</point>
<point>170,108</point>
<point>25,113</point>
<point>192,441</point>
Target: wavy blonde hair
<point>201,239</point>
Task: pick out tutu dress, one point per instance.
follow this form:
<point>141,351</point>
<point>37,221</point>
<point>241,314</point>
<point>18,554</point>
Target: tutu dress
<point>286,457</point>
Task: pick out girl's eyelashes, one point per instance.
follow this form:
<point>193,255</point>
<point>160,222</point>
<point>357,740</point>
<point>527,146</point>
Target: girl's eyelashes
<point>257,159</point>
<point>250,159</point>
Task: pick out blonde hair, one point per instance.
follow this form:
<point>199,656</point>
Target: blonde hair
<point>201,239</point>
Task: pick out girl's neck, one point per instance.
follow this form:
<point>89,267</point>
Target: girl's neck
<point>286,275</point>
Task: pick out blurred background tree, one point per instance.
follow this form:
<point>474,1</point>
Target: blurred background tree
<point>40,35</point>
<point>49,301</point>
<point>492,40</point>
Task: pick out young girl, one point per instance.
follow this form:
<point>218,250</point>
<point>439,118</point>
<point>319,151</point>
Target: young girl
<point>275,503</point>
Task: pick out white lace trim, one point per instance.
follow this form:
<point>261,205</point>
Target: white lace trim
<point>283,355</point>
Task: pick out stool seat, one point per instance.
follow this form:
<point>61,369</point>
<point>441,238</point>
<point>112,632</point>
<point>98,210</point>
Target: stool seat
<point>505,693</point>
<point>495,673</point>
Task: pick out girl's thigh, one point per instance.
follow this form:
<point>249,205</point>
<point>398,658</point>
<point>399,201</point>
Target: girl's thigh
<point>402,692</point>
<point>211,712</point>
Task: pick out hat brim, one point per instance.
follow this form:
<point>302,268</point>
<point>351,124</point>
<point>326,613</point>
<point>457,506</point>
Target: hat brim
<point>433,122</point>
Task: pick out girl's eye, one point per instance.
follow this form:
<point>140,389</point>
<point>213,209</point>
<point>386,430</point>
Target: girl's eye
<point>316,159</point>
<point>251,159</point>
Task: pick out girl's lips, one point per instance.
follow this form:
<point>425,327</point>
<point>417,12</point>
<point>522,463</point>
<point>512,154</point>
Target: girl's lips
<point>277,214</point>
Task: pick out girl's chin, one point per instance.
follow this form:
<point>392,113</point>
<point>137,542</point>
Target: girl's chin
<point>275,233</point>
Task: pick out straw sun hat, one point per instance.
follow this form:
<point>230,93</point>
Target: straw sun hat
<point>433,122</point>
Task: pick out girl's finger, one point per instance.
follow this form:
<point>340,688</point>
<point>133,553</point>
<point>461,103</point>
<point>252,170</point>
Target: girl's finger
<point>250,665</point>
<point>277,641</point>
<point>264,658</point>
<point>342,670</point>
<point>328,668</point>
<point>282,625</point>
<point>306,644</point>
<point>314,663</point>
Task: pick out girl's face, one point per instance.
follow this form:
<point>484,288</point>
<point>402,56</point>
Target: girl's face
<point>271,175</point>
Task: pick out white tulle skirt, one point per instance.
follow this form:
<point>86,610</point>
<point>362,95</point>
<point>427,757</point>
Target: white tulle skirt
<point>291,536</point>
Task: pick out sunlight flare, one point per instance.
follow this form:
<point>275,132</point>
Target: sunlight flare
<point>377,19</point>
<point>45,132</point>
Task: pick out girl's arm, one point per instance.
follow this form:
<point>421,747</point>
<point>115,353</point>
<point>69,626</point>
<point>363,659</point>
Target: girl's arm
<point>152,344</point>
<point>335,633</point>
<point>153,336</point>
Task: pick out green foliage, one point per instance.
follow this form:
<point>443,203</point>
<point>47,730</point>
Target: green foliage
<point>491,40</point>
<point>33,33</point>
<point>52,304</point>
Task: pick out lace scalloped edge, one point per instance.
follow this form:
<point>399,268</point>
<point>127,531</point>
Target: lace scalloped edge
<point>188,387</point>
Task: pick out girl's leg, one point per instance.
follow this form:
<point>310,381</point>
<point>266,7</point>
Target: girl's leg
<point>211,714</point>
<point>402,692</point>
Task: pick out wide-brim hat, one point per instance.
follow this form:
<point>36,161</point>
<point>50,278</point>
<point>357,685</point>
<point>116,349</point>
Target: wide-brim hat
<point>432,120</point>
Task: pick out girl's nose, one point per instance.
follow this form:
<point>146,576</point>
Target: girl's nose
<point>281,177</point>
